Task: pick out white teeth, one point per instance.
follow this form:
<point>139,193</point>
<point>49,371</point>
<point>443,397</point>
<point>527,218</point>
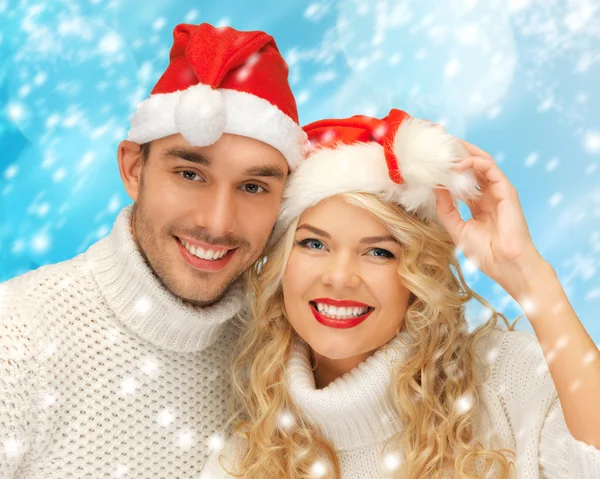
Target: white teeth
<point>199,252</point>
<point>340,313</point>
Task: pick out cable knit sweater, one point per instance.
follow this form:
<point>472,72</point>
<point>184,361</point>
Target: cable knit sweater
<point>105,374</point>
<point>519,410</point>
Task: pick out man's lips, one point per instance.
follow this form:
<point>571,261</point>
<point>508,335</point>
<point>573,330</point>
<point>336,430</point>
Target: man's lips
<point>204,264</point>
<point>205,246</point>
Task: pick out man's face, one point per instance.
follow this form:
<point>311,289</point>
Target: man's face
<point>203,215</point>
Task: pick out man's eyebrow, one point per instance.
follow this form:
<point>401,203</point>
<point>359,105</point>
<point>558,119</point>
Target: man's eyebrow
<point>188,155</point>
<point>266,171</point>
<point>314,230</point>
<point>192,156</point>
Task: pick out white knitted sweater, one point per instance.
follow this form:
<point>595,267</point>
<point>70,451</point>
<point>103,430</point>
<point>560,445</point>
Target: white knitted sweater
<point>519,409</point>
<point>105,374</point>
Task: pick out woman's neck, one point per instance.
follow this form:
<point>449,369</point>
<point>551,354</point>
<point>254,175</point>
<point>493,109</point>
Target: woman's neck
<point>328,370</point>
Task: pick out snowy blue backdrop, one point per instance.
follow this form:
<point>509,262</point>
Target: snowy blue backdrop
<point>520,78</point>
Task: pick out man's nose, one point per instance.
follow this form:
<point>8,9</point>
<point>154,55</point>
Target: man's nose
<point>218,212</point>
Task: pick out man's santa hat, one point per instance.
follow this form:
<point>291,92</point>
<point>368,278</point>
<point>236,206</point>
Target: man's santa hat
<point>399,158</point>
<point>220,80</point>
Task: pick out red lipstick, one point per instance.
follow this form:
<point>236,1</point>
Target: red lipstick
<point>341,303</point>
<point>339,323</point>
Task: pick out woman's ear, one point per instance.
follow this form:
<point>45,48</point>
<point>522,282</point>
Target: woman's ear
<point>131,163</point>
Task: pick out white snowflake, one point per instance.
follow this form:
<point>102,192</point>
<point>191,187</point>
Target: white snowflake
<point>555,199</point>
<point>391,462</point>
<point>11,172</point>
<point>110,43</point>
<point>128,386</point>
<point>186,439</point>
<point>142,306</point>
<point>216,442</point>
<point>592,141</point>
<point>165,418</point>
<point>318,469</point>
<point>464,403</point>
<point>16,112</point>
<point>40,243</point>
<point>13,447</point>
<point>286,420</point>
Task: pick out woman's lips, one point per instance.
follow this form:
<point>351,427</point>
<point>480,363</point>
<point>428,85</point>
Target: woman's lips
<point>341,303</point>
<point>340,323</point>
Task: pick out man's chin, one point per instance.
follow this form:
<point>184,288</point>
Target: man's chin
<point>203,302</point>
<point>196,293</point>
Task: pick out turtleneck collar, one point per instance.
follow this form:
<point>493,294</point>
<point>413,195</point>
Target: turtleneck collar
<point>144,305</point>
<point>356,409</point>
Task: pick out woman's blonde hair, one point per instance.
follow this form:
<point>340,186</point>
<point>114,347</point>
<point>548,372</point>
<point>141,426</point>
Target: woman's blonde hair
<point>436,438</point>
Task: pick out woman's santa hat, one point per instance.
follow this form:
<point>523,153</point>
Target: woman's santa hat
<point>220,80</point>
<point>399,158</point>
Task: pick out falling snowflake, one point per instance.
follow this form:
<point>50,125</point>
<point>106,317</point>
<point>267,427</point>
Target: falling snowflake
<point>216,442</point>
<point>186,439</point>
<point>165,418</point>
<point>391,462</point>
<point>318,469</point>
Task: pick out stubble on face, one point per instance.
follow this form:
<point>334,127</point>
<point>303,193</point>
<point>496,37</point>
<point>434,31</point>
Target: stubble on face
<point>197,287</point>
<point>169,208</point>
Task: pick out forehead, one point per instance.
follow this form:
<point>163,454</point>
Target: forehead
<point>230,152</point>
<point>342,219</point>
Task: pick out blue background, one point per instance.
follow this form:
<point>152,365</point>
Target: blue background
<point>520,78</point>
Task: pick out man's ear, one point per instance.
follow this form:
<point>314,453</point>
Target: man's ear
<point>131,164</point>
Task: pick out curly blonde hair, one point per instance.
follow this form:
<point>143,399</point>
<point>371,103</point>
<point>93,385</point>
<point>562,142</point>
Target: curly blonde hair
<point>436,438</point>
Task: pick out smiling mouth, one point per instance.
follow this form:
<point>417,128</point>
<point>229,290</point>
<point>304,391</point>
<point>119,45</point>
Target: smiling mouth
<point>207,254</point>
<point>341,313</point>
<point>339,318</point>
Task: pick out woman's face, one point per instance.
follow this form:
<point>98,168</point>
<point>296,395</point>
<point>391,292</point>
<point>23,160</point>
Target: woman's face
<point>342,292</point>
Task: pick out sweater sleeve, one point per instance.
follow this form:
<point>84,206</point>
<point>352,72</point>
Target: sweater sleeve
<point>561,455</point>
<point>534,410</point>
<point>229,457</point>
<point>18,393</point>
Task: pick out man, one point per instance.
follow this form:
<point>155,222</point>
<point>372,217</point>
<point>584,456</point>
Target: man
<point>114,363</point>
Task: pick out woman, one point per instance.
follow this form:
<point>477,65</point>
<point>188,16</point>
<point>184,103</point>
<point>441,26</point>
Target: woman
<point>358,363</point>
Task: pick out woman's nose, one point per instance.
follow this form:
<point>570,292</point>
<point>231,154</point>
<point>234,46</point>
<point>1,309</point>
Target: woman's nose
<point>341,272</point>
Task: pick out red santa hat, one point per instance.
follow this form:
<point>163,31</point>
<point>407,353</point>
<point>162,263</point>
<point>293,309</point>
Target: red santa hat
<point>220,80</point>
<point>399,158</point>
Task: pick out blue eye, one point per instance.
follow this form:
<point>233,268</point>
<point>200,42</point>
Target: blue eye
<point>311,243</point>
<point>381,253</point>
<point>253,189</point>
<point>190,175</point>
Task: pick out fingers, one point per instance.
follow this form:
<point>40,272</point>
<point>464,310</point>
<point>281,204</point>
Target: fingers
<point>485,167</point>
<point>448,214</point>
<point>489,176</point>
<point>475,150</point>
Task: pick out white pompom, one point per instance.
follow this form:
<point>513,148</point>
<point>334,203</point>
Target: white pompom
<point>426,154</point>
<point>200,115</point>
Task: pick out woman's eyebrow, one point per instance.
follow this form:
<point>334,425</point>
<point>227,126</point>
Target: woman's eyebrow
<point>314,230</point>
<point>378,239</point>
<point>365,240</point>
